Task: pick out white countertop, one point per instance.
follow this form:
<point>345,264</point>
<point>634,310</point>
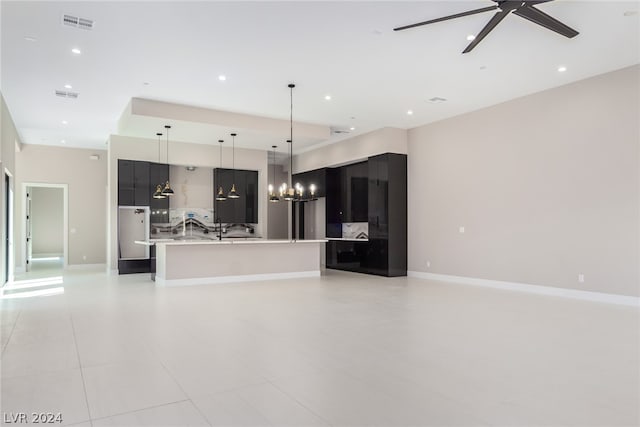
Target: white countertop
<point>222,242</point>
<point>347,239</point>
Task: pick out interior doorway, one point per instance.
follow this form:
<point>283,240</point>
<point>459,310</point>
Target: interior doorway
<point>45,227</point>
<point>7,273</point>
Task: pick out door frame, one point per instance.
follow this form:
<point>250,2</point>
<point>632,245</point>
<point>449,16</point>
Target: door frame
<point>8,205</point>
<point>65,218</point>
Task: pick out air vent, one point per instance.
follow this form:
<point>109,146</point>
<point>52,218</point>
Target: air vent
<point>76,22</point>
<point>436,99</point>
<point>65,94</point>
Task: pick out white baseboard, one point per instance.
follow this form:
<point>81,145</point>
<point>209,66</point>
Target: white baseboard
<point>86,266</point>
<point>235,279</point>
<point>46,255</point>
<point>19,269</point>
<point>536,289</point>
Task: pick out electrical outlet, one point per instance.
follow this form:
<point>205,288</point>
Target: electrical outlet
<point>461,229</point>
<point>428,264</point>
<point>581,278</point>
<point>84,257</point>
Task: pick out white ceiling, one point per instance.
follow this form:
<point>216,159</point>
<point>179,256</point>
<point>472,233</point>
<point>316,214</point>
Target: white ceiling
<point>345,49</point>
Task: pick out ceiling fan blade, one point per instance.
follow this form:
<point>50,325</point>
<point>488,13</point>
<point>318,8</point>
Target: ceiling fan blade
<point>539,17</point>
<point>499,16</point>
<point>446,18</point>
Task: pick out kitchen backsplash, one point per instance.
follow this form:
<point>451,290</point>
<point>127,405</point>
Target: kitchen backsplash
<point>355,230</point>
<point>198,222</point>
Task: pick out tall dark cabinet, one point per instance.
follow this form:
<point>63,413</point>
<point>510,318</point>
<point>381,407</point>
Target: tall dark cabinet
<point>243,210</point>
<point>387,254</point>
<point>375,192</point>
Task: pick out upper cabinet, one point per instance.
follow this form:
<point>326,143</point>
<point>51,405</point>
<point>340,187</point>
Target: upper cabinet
<point>243,210</point>
<point>133,183</point>
<point>316,177</point>
<point>347,195</point>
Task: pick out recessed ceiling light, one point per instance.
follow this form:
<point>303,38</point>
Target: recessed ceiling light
<point>327,97</point>
<point>30,39</point>
<point>64,122</point>
<point>410,112</point>
<point>483,67</point>
<point>352,128</point>
<point>562,69</point>
<point>146,83</point>
<point>222,77</point>
<point>471,37</point>
<point>76,51</point>
<point>68,86</point>
<point>62,141</point>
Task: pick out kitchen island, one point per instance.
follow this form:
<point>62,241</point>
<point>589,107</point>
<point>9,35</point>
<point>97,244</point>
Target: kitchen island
<point>199,262</point>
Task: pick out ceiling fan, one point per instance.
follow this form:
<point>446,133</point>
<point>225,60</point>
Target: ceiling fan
<point>523,9</point>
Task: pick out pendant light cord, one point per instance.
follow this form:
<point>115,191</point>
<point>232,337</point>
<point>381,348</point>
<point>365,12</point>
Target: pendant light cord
<point>291,86</point>
<point>159,145</point>
<point>233,158</point>
<point>167,127</point>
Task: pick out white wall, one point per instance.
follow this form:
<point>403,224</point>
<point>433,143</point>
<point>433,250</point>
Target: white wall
<point>358,148</point>
<point>547,187</point>
<point>47,220</point>
<point>86,180</point>
<point>180,153</point>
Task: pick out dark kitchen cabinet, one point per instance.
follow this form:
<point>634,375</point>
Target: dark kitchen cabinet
<point>133,183</point>
<point>347,255</point>
<point>387,252</point>
<point>243,210</point>
<point>333,203</point>
<point>316,177</point>
<point>125,183</point>
<point>375,192</point>
<point>346,196</point>
<point>354,183</point>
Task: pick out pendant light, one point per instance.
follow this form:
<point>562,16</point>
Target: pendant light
<point>295,193</point>
<point>273,197</point>
<point>167,191</point>
<point>233,194</point>
<point>158,193</point>
<point>220,196</point>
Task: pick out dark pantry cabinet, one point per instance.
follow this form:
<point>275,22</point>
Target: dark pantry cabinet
<point>387,254</point>
<point>381,201</point>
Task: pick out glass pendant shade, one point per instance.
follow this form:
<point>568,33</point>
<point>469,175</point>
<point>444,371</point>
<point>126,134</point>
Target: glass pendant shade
<point>233,194</point>
<point>220,196</point>
<point>158,193</point>
<point>167,191</point>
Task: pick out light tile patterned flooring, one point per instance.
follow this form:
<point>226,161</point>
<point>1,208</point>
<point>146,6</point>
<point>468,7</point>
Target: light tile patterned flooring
<point>340,350</point>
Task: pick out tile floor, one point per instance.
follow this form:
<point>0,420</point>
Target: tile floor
<point>340,350</point>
